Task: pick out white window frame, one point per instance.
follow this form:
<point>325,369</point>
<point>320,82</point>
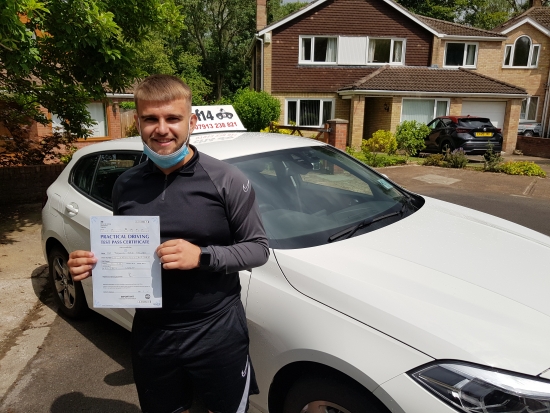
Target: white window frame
<point>466,44</point>
<point>56,122</point>
<point>512,48</point>
<point>527,106</point>
<point>297,100</point>
<point>311,61</point>
<point>448,100</point>
<point>393,40</point>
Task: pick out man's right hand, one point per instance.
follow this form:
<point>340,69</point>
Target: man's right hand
<point>80,264</point>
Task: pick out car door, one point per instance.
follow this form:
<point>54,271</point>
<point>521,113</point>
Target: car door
<point>89,194</point>
<point>436,128</point>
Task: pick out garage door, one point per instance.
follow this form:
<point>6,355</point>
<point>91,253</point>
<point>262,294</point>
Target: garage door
<point>492,110</point>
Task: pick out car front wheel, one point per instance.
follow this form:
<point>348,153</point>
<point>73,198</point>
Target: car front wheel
<point>528,133</point>
<point>323,393</point>
<point>446,144</point>
<point>68,294</point>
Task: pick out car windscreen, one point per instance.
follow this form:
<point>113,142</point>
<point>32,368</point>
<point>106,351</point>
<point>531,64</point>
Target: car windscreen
<point>475,123</point>
<point>307,196</point>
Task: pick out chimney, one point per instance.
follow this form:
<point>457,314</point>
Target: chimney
<point>535,3</point>
<point>261,14</point>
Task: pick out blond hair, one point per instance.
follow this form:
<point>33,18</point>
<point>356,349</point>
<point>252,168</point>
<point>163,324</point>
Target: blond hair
<point>162,88</point>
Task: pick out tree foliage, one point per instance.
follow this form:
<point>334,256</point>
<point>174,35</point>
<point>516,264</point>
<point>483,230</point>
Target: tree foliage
<point>62,54</point>
<point>220,31</point>
<point>276,10</point>
<point>483,14</point>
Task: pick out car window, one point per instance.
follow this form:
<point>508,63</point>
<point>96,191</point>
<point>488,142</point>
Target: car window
<point>305,195</point>
<point>446,122</point>
<point>83,173</point>
<point>475,123</point>
<point>95,175</point>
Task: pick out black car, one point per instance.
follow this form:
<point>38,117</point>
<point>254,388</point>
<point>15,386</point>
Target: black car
<point>471,133</point>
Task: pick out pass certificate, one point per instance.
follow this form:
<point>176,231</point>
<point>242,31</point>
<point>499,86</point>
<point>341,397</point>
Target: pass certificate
<point>127,272</point>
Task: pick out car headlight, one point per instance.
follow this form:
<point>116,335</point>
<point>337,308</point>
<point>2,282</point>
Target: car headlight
<point>475,389</point>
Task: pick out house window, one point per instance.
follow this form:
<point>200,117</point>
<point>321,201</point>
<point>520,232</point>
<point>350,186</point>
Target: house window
<point>460,54</point>
<point>529,108</point>
<point>317,49</point>
<point>424,110</point>
<point>97,113</point>
<point>386,51</point>
<point>523,53</point>
<point>309,112</point>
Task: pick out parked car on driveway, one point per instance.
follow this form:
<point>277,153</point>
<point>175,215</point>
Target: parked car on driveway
<point>374,299</point>
<point>471,133</point>
<point>528,128</point>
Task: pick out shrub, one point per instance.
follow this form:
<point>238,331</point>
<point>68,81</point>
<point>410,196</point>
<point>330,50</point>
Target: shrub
<point>256,109</point>
<point>376,160</point>
<point>410,136</point>
<point>492,160</point>
<point>456,158</point>
<point>127,105</point>
<point>434,160</point>
<point>382,141</point>
<point>278,129</point>
<point>522,168</point>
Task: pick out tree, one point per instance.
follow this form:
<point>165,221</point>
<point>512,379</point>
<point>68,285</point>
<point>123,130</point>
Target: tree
<point>276,10</point>
<point>438,9</point>
<point>220,32</point>
<point>60,55</point>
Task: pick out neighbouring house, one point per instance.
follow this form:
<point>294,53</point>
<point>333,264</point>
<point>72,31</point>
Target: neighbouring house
<point>109,118</point>
<point>525,61</point>
<point>375,64</point>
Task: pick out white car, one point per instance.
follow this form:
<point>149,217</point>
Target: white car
<point>374,299</point>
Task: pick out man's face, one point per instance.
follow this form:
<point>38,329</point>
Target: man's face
<point>165,125</point>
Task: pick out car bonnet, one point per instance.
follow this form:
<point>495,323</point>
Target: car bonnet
<point>449,281</point>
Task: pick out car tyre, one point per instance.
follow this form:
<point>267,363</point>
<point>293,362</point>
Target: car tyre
<point>329,394</point>
<point>528,133</point>
<point>68,294</point>
<point>446,144</point>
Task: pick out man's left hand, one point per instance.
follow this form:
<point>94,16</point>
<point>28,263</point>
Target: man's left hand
<point>178,254</point>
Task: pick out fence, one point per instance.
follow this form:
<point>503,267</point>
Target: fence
<point>26,184</point>
<point>322,133</point>
<point>126,121</point>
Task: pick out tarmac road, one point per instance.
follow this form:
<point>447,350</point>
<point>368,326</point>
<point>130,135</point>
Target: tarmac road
<point>50,364</point>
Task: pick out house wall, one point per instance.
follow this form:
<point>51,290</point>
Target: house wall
<point>376,116</point>
<point>342,17</point>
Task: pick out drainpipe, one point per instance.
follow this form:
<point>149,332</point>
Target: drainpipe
<point>545,107</point>
<point>261,63</point>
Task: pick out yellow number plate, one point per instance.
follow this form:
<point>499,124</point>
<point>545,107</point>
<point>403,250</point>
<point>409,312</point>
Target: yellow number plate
<point>481,134</point>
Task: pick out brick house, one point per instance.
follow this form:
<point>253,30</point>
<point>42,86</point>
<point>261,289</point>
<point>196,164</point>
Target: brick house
<point>525,61</point>
<point>107,114</point>
<point>375,64</point>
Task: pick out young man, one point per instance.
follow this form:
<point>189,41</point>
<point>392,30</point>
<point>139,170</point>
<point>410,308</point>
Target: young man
<point>210,229</point>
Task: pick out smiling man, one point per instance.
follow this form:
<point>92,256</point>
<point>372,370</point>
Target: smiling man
<point>210,229</point>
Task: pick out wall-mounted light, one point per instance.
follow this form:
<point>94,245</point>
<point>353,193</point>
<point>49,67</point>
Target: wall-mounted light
<point>386,107</point>
<point>115,107</point>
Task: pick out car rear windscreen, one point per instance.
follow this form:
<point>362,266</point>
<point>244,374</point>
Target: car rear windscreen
<point>475,123</point>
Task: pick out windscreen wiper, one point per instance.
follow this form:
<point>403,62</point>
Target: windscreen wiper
<point>348,232</point>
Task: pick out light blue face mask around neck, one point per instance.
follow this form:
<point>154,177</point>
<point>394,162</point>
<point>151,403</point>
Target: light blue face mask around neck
<point>170,160</point>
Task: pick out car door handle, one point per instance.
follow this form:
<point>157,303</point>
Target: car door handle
<point>72,209</point>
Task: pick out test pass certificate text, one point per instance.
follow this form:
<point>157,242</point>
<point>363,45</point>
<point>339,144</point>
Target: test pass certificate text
<point>127,272</point>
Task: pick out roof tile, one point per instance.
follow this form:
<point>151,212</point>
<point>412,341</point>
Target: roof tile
<point>428,79</point>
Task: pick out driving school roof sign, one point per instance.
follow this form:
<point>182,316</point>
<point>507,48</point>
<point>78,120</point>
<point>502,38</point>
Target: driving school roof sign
<point>217,118</point>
